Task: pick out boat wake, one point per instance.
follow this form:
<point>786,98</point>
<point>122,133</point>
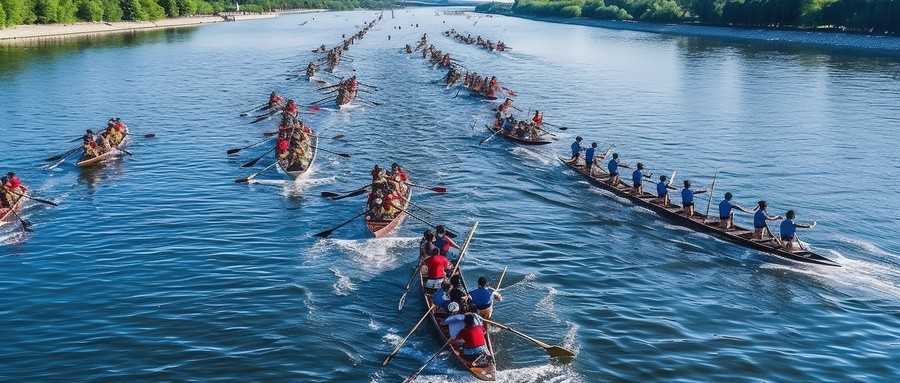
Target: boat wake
<point>855,274</point>
<point>343,286</point>
<point>542,158</point>
<point>547,373</point>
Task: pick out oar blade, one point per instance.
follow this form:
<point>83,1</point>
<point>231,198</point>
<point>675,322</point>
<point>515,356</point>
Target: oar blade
<point>325,234</point>
<point>402,301</point>
<point>329,194</point>
<point>250,164</point>
<point>559,352</point>
<point>233,151</point>
<point>150,135</point>
<point>439,189</point>
<point>242,180</point>
<point>354,194</point>
<point>27,226</point>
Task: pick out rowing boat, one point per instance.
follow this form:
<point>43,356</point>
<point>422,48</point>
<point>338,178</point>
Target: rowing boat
<point>113,152</point>
<point>699,221</point>
<point>344,98</point>
<point>8,211</point>
<point>498,131</point>
<point>483,370</point>
<point>383,228</point>
<point>295,170</point>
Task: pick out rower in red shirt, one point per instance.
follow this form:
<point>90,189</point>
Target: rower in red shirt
<point>438,266</point>
<point>275,100</point>
<point>443,241</point>
<point>472,339</point>
<point>291,108</point>
<point>282,146</point>
<point>538,118</point>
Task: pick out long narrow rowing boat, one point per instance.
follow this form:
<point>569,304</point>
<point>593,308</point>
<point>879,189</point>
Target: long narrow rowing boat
<point>113,152</point>
<point>6,213</point>
<point>383,228</point>
<point>481,369</point>
<point>699,221</point>
<point>295,170</point>
<point>498,131</point>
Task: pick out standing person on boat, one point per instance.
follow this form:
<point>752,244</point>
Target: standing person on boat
<point>483,298</point>
<point>472,339</point>
<point>760,219</point>
<point>613,168</point>
<point>726,212</point>
<point>589,155</point>
<point>662,190</point>
<point>637,179</point>
<point>426,244</point>
<point>576,150</point>
<point>456,321</point>
<point>441,297</point>
<point>687,198</point>
<point>788,230</point>
<point>437,266</point>
<point>442,241</point>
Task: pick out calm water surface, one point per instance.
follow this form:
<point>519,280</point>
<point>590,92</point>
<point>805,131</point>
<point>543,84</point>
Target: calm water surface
<point>160,268</point>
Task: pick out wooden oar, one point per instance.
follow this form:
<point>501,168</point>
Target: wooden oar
<point>234,151</point>
<point>496,132</point>
<point>258,108</point>
<point>710,196</point>
<point>265,117</point>
<point>345,155</point>
<point>63,154</point>
<point>253,162</point>
<point>436,189</point>
<point>503,274</point>
<point>252,176</point>
<point>329,87</point>
<point>335,194</point>
<point>449,232</point>
<point>314,103</point>
<point>327,233</point>
<point>370,102</point>
<point>51,167</point>
<point>555,126</point>
<point>409,283</point>
<point>36,199</point>
<point>553,351</point>
<point>25,224</point>
<point>403,341</point>
<point>415,375</point>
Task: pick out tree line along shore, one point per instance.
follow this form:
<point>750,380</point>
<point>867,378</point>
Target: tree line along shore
<point>863,16</point>
<point>22,12</point>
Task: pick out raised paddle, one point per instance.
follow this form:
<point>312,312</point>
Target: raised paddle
<point>327,233</point>
<point>235,151</point>
<point>415,375</point>
<point>390,356</point>
<point>408,284</point>
<point>36,199</point>
<point>252,176</point>
<point>553,351</point>
<point>436,189</point>
<point>450,233</point>
<point>710,196</point>
<point>254,161</point>
<point>503,274</point>
<point>370,102</point>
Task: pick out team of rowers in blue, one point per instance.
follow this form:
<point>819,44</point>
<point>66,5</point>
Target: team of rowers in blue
<point>787,238</point>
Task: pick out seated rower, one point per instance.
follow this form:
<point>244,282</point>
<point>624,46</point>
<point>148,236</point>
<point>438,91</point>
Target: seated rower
<point>12,189</point>
<point>426,244</point>
<point>472,339</point>
<point>637,180</point>
<point>282,146</point>
<point>726,212</point>
<point>788,230</point>
<point>291,108</point>
<point>662,190</point>
<point>760,219</point>
<point>375,205</point>
<point>441,297</point>
<point>456,321</point>
<point>687,198</point>
<point>483,298</point>
<point>391,205</point>
<point>436,266</point>
<point>576,151</point>
<point>442,241</point>
<point>274,100</point>
<point>89,145</point>
<point>5,201</point>
<point>538,118</point>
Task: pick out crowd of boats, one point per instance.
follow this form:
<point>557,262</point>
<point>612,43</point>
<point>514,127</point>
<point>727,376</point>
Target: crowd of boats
<point>466,38</point>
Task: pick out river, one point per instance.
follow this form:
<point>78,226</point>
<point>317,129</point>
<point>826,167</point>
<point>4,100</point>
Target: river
<point>159,267</point>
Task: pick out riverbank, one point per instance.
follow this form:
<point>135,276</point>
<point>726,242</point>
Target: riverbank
<point>885,44</point>
<point>55,31</point>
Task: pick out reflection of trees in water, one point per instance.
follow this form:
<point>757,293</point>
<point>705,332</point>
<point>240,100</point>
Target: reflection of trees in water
<point>16,54</point>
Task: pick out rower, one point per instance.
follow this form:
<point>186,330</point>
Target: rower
<point>726,212</point>
<point>426,244</point>
<point>788,230</point>
<point>613,168</point>
<point>760,219</point>
<point>441,297</point>
<point>291,108</point>
<point>589,158</point>
<point>576,150</point>
<point>13,190</point>
<point>274,100</point>
<point>442,241</point>
<point>458,292</point>
<point>89,144</point>
<point>472,339</point>
<point>5,201</point>
<point>455,321</point>
<point>662,190</point>
<point>483,298</point>
<point>538,118</point>
<point>687,198</point>
<point>637,180</point>
<point>282,146</point>
<point>437,267</point>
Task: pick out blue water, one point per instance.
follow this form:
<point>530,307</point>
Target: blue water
<point>159,267</point>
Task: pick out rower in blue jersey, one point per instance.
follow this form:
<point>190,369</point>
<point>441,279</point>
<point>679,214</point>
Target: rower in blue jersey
<point>483,298</point>
<point>761,219</point>
<point>789,230</point>
<point>687,198</point>
<point>662,190</point>
<point>589,155</point>
<point>637,179</point>
<point>613,168</point>
<point>726,212</point>
<point>576,150</point>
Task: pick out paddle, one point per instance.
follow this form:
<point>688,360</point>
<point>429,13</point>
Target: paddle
<point>449,233</point>
<point>553,351</point>
<point>327,233</point>
<point>252,176</point>
<point>234,151</point>
<point>354,194</point>
<point>36,199</point>
<point>370,102</point>
<point>503,274</point>
<point>25,224</point>
<point>265,117</point>
<point>709,200</point>
<point>413,377</point>
<point>335,194</point>
<point>436,189</point>
<point>402,342</point>
<point>314,103</point>
<point>337,137</point>
<point>63,154</point>
<point>345,155</point>
<point>256,108</point>
<point>491,136</point>
<point>253,162</point>
<point>51,167</point>
<point>408,284</point>
<point>555,126</point>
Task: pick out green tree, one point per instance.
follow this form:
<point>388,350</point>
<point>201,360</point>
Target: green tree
<point>90,10</point>
<point>170,6</point>
<point>67,11</point>
<point>133,10</point>
<point>154,11</point>
<point>2,16</point>
<point>187,7</point>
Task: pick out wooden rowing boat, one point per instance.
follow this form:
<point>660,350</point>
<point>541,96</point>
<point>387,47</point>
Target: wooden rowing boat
<point>498,131</point>
<point>486,371</point>
<point>699,222</point>
<point>113,152</point>
<point>6,213</point>
<point>381,228</point>
<point>291,170</point>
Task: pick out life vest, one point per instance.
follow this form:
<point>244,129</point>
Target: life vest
<point>472,336</point>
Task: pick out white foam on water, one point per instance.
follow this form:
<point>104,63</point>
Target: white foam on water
<point>542,158</point>
<point>868,247</point>
<point>537,374</point>
<point>547,304</point>
<point>856,274</point>
<point>342,286</point>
